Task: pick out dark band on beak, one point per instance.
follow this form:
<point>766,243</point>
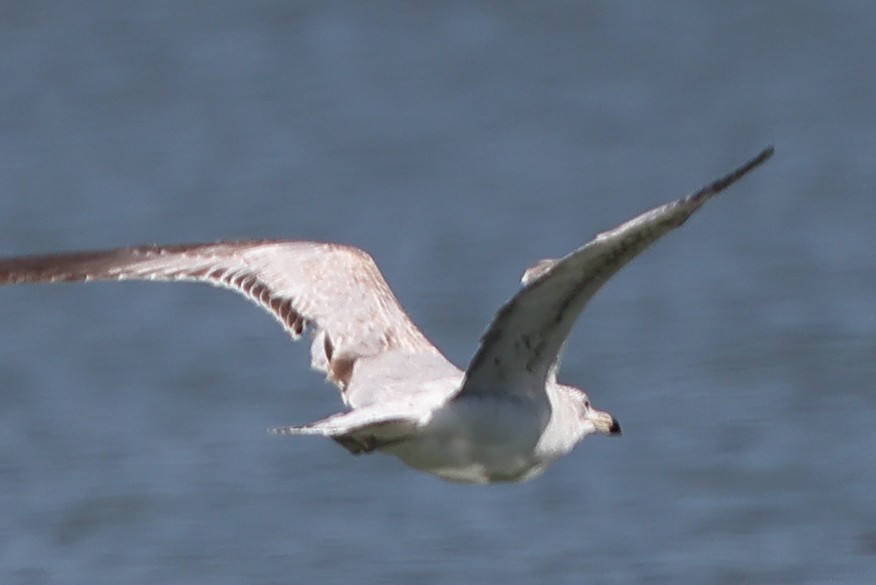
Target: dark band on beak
<point>615,428</point>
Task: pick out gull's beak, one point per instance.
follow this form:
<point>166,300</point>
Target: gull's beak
<point>605,423</point>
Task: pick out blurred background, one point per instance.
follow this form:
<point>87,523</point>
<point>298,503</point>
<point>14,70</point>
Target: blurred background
<point>457,142</point>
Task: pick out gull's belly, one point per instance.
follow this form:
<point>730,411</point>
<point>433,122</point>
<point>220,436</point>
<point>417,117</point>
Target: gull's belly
<point>479,440</point>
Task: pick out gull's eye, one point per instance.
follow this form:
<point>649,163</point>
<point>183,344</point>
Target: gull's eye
<point>587,404</point>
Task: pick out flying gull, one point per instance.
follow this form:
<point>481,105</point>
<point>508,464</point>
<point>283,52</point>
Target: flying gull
<point>505,418</point>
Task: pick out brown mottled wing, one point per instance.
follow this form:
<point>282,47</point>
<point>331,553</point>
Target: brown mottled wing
<point>523,342</point>
<point>335,289</point>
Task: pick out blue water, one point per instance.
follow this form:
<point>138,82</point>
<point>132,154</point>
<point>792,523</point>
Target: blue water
<point>456,142</point>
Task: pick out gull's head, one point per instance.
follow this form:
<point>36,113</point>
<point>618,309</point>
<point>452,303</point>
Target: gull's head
<point>573,417</point>
<point>593,420</point>
<point>573,410</point>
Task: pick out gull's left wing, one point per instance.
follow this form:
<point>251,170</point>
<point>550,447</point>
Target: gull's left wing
<point>525,338</point>
<point>337,291</point>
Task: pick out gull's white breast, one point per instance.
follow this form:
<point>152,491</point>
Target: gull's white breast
<point>479,439</point>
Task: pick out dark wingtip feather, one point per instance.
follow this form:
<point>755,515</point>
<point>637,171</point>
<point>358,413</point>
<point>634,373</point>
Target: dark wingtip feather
<point>719,185</point>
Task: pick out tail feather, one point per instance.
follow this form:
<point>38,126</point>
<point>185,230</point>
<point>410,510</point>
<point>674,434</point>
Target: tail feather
<point>356,431</point>
<point>292,430</point>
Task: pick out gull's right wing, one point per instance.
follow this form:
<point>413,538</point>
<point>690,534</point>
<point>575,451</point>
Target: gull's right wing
<point>525,338</point>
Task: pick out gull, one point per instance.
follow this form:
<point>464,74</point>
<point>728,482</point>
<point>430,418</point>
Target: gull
<point>504,419</point>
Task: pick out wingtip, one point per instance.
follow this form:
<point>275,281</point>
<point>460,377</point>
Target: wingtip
<point>764,155</point>
<point>719,185</point>
<point>743,170</point>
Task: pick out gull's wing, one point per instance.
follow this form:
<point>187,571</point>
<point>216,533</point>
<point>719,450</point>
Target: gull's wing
<point>335,289</point>
<point>523,342</point>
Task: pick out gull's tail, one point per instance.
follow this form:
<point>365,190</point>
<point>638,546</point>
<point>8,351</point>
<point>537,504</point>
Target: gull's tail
<point>359,431</point>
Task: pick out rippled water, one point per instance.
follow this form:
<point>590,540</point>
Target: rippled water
<point>457,143</point>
